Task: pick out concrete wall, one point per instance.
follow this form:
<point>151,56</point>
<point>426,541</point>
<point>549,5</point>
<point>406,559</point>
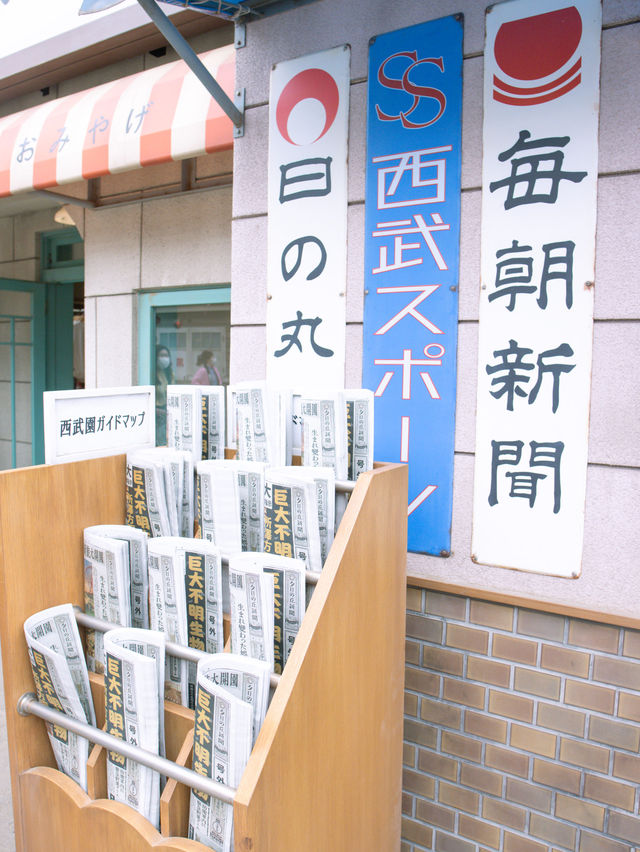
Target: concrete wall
<point>614,447</point>
<point>164,242</point>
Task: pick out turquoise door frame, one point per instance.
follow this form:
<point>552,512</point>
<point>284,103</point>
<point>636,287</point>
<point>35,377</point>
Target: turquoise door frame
<point>61,268</point>
<point>150,300</point>
<point>36,343</point>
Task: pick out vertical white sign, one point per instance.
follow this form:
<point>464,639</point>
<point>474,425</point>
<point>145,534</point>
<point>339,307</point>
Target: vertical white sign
<point>540,137</point>
<point>307,225</point>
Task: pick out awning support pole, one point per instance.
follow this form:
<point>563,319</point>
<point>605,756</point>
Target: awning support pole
<point>188,55</point>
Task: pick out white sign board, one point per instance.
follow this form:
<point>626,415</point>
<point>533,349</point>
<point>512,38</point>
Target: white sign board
<point>540,157</point>
<point>307,224</point>
<point>83,424</point>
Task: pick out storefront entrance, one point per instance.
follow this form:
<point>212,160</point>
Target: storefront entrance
<point>183,339</point>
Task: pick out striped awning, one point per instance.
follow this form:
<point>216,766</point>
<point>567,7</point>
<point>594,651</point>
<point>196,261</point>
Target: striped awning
<point>155,116</point>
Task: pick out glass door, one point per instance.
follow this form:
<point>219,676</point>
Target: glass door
<point>22,372</point>
<point>183,338</point>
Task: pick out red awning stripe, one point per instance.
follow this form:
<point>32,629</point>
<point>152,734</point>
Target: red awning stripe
<point>155,116</point>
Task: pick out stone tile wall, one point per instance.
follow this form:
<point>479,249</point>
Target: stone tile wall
<point>522,730</point>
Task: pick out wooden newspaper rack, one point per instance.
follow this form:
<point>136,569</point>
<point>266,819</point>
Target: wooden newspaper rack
<point>325,772</point>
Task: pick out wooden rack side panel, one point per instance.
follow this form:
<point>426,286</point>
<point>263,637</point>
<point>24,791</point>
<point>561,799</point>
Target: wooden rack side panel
<point>325,772</point>
<point>43,511</point>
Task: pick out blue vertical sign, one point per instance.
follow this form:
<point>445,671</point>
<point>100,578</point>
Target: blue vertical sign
<point>412,216</point>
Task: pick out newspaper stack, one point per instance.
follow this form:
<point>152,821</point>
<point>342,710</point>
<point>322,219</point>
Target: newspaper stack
<point>116,587</point>
<point>291,516</point>
<point>289,598</point>
<point>184,419</point>
<point>185,592</point>
<point>324,481</point>
<point>229,504</point>
<point>243,677</point>
<point>259,422</point>
<point>221,748</point>
<point>251,592</point>
<point>159,491</point>
<point>62,683</point>
<point>134,676</point>
<point>213,422</point>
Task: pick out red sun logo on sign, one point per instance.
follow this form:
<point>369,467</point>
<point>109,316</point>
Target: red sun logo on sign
<point>536,49</point>
<point>312,84</point>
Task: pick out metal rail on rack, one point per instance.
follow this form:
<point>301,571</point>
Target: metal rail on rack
<point>28,704</point>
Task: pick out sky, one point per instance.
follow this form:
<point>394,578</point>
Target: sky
<point>26,22</point>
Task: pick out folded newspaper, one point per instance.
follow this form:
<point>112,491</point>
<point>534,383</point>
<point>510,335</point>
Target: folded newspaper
<point>116,588</point>
<point>213,422</point>
<point>289,600</point>
<point>359,409</point>
<point>134,684</point>
<point>324,481</point>
<point>184,419</point>
<point>196,420</point>
<point>159,491</point>
<point>185,593</point>
<point>62,683</point>
<point>292,515</point>
<point>243,677</point>
<point>229,504</point>
<point>251,591</point>
<point>259,422</point>
<point>324,431</point>
<point>221,749</point>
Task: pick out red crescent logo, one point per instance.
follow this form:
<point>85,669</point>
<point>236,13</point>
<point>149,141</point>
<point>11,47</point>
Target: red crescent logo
<point>532,49</point>
<point>312,83</point>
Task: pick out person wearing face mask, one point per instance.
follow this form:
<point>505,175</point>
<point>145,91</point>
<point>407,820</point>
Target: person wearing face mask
<point>164,377</point>
<point>207,372</point>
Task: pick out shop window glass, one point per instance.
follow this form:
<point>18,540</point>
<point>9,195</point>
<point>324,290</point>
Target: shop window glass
<point>191,346</point>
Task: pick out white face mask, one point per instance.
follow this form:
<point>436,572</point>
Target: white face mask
<point>164,361</point>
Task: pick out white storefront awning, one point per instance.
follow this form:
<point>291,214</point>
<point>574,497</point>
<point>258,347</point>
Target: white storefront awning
<point>156,116</point>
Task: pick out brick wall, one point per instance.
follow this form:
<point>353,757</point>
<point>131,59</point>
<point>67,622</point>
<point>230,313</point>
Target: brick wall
<point>522,730</point>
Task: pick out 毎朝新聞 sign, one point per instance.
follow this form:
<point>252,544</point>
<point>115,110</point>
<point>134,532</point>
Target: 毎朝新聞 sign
<point>540,159</point>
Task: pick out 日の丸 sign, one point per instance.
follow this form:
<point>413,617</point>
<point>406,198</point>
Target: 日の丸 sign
<point>307,220</point>
<point>412,227</point>
<point>540,157</point>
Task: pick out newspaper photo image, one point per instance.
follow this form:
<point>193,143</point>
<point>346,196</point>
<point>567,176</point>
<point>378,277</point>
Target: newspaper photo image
<point>185,591</point>
<point>221,749</point>
<point>62,683</point>
<point>134,711</point>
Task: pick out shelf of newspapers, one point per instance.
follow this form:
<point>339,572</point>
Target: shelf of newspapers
<point>324,771</point>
